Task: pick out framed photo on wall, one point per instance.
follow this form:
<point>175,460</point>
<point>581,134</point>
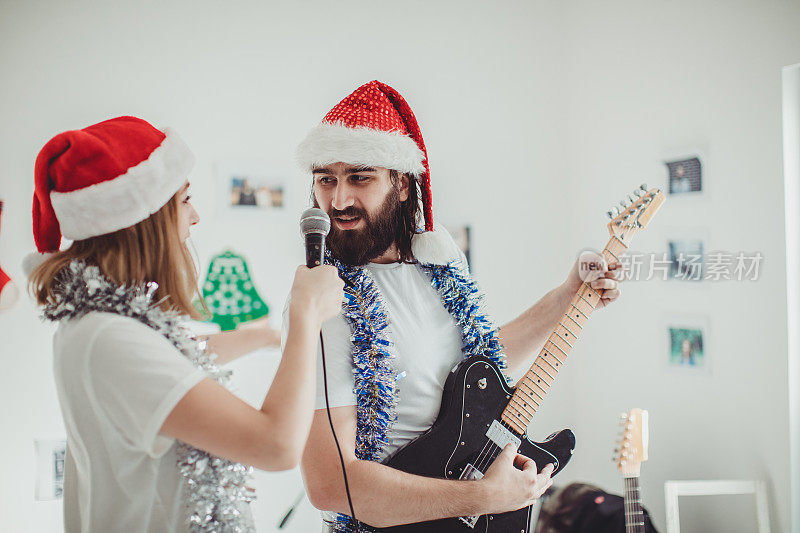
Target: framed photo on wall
<point>462,236</point>
<point>248,188</point>
<point>685,170</point>
<point>685,175</point>
<point>50,463</point>
<point>687,343</point>
<point>686,251</point>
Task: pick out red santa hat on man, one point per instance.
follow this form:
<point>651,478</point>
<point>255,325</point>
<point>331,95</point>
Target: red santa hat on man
<point>374,126</point>
<point>102,179</point>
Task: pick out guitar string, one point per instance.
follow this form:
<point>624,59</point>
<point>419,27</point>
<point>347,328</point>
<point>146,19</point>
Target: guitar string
<point>627,505</point>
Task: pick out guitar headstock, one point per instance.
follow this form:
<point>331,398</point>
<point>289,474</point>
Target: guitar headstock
<point>632,450</point>
<point>634,213</point>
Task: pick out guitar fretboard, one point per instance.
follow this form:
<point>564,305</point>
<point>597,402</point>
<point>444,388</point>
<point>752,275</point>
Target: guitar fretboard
<point>634,517</point>
<point>534,385</point>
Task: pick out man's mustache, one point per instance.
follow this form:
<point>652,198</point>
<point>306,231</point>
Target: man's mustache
<point>348,212</point>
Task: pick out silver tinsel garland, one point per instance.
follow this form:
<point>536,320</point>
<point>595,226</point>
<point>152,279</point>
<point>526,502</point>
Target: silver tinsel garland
<point>217,494</point>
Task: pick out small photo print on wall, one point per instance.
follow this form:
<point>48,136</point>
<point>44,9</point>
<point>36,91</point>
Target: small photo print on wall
<point>685,176</point>
<point>50,462</point>
<point>247,188</point>
<point>686,261</point>
<point>462,237</point>
<point>254,192</point>
<point>687,343</point>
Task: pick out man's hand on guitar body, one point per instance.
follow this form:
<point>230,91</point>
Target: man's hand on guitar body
<point>512,482</point>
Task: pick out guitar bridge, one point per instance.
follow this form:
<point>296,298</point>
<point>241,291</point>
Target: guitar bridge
<point>470,473</point>
<point>469,520</point>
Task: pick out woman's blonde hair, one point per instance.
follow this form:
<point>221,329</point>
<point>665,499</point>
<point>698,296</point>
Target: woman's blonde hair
<point>150,250</point>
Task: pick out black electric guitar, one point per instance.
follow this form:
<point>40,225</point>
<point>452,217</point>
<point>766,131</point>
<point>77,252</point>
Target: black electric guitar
<point>629,456</point>
<point>480,414</point>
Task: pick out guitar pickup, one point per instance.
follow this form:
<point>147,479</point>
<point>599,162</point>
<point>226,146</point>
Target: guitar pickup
<point>501,435</point>
<point>471,473</point>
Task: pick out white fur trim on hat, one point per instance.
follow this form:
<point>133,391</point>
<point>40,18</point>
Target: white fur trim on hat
<point>436,247</point>
<point>33,260</point>
<point>127,199</point>
<point>334,143</point>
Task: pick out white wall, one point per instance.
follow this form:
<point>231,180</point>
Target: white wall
<point>536,117</point>
<point>645,81</point>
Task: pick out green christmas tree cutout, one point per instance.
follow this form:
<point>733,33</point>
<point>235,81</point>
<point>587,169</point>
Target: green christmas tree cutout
<point>229,292</point>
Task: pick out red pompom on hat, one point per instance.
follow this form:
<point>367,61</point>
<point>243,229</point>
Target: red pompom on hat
<point>102,179</point>
<point>375,126</point>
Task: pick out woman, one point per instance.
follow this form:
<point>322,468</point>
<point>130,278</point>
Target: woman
<point>584,508</point>
<point>155,442</point>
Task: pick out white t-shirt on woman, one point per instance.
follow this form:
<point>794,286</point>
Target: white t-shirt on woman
<point>117,380</point>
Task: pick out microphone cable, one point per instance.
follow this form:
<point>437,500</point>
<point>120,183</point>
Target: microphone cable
<point>333,431</point>
<point>315,225</point>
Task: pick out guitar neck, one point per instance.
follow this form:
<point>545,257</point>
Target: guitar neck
<point>634,517</point>
<point>536,383</point>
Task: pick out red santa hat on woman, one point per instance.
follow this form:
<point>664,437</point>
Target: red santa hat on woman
<point>102,179</point>
<point>374,126</point>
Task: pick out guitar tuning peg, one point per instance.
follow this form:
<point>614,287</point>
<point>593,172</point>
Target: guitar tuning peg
<point>609,214</point>
<point>643,187</point>
<point>630,199</point>
<point>638,193</point>
<point>623,416</point>
<point>622,204</point>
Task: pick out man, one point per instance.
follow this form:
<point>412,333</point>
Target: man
<point>410,316</point>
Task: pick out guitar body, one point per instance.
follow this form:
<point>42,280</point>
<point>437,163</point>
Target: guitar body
<point>475,395</point>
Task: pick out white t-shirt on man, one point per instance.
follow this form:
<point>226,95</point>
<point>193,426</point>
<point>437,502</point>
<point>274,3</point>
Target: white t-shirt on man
<point>426,345</point>
<point>117,380</point>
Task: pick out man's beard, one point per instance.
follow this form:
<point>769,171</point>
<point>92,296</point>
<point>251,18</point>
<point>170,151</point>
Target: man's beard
<point>357,247</point>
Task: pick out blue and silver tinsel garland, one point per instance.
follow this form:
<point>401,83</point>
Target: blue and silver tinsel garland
<point>217,496</point>
<point>375,379</point>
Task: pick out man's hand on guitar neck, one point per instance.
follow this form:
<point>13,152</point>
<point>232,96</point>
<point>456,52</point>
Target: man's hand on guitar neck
<point>606,277</point>
<point>385,497</point>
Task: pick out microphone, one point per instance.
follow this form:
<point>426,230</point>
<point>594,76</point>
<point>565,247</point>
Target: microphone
<point>315,225</point>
